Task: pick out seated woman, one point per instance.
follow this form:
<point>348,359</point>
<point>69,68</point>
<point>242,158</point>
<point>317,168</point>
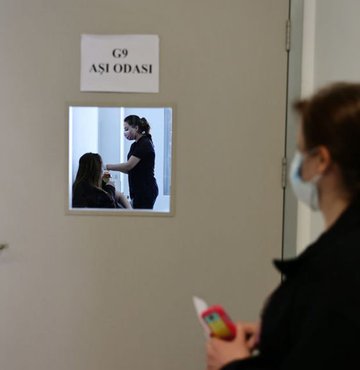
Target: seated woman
<point>89,188</point>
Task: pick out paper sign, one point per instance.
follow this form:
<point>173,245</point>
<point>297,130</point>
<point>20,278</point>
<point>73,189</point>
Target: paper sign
<point>120,63</point>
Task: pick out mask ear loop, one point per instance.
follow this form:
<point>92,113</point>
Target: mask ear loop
<point>315,193</point>
<point>315,196</point>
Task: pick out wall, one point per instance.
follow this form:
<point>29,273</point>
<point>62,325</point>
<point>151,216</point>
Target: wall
<point>107,292</point>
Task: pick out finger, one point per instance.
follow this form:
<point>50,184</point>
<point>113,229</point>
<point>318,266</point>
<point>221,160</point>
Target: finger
<point>252,331</point>
<point>213,341</point>
<point>252,342</point>
<point>241,330</point>
<point>245,334</point>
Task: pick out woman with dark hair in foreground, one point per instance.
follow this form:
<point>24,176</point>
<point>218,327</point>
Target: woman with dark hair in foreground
<point>312,320</point>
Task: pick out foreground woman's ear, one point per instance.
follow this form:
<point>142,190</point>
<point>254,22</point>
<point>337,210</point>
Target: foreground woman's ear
<point>324,158</point>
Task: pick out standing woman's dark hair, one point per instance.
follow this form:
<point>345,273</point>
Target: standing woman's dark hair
<point>142,124</point>
<point>332,118</point>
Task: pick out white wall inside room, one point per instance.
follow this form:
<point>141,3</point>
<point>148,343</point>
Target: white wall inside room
<point>330,53</point>
<point>83,126</point>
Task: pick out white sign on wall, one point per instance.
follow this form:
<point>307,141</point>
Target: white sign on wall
<point>120,63</point>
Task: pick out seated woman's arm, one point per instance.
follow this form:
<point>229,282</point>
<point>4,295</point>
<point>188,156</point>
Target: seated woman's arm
<point>121,198</point>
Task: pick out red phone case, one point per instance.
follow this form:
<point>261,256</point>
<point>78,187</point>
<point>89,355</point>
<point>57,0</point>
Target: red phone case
<point>219,322</point>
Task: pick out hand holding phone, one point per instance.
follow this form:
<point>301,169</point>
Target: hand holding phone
<point>219,323</point>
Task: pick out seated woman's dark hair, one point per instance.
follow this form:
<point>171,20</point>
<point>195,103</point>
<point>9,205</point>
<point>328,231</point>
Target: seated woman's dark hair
<point>90,170</point>
<point>332,118</point>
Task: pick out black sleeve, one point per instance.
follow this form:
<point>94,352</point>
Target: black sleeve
<point>329,337</point>
<point>252,363</point>
<point>86,196</point>
<point>143,149</point>
<point>327,342</point>
<point>107,199</point>
<point>326,329</point>
<point>108,188</point>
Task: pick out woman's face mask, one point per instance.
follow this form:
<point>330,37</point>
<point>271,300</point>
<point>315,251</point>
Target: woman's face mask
<point>129,132</point>
<point>305,191</point>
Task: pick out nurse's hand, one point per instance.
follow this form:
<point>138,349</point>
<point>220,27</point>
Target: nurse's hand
<point>220,352</point>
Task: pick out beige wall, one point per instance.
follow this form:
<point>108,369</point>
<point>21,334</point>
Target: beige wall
<point>105,292</point>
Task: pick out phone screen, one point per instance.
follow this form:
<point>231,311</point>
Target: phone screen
<point>217,325</point>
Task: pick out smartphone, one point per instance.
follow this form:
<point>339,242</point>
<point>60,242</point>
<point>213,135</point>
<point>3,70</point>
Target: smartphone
<point>219,323</point>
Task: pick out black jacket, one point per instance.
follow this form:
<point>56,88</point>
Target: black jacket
<point>312,321</point>
<point>88,196</point>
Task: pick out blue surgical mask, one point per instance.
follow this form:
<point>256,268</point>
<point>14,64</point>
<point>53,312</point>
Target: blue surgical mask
<point>305,191</point>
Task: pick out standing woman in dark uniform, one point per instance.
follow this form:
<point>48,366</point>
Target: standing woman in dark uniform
<point>140,163</point>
